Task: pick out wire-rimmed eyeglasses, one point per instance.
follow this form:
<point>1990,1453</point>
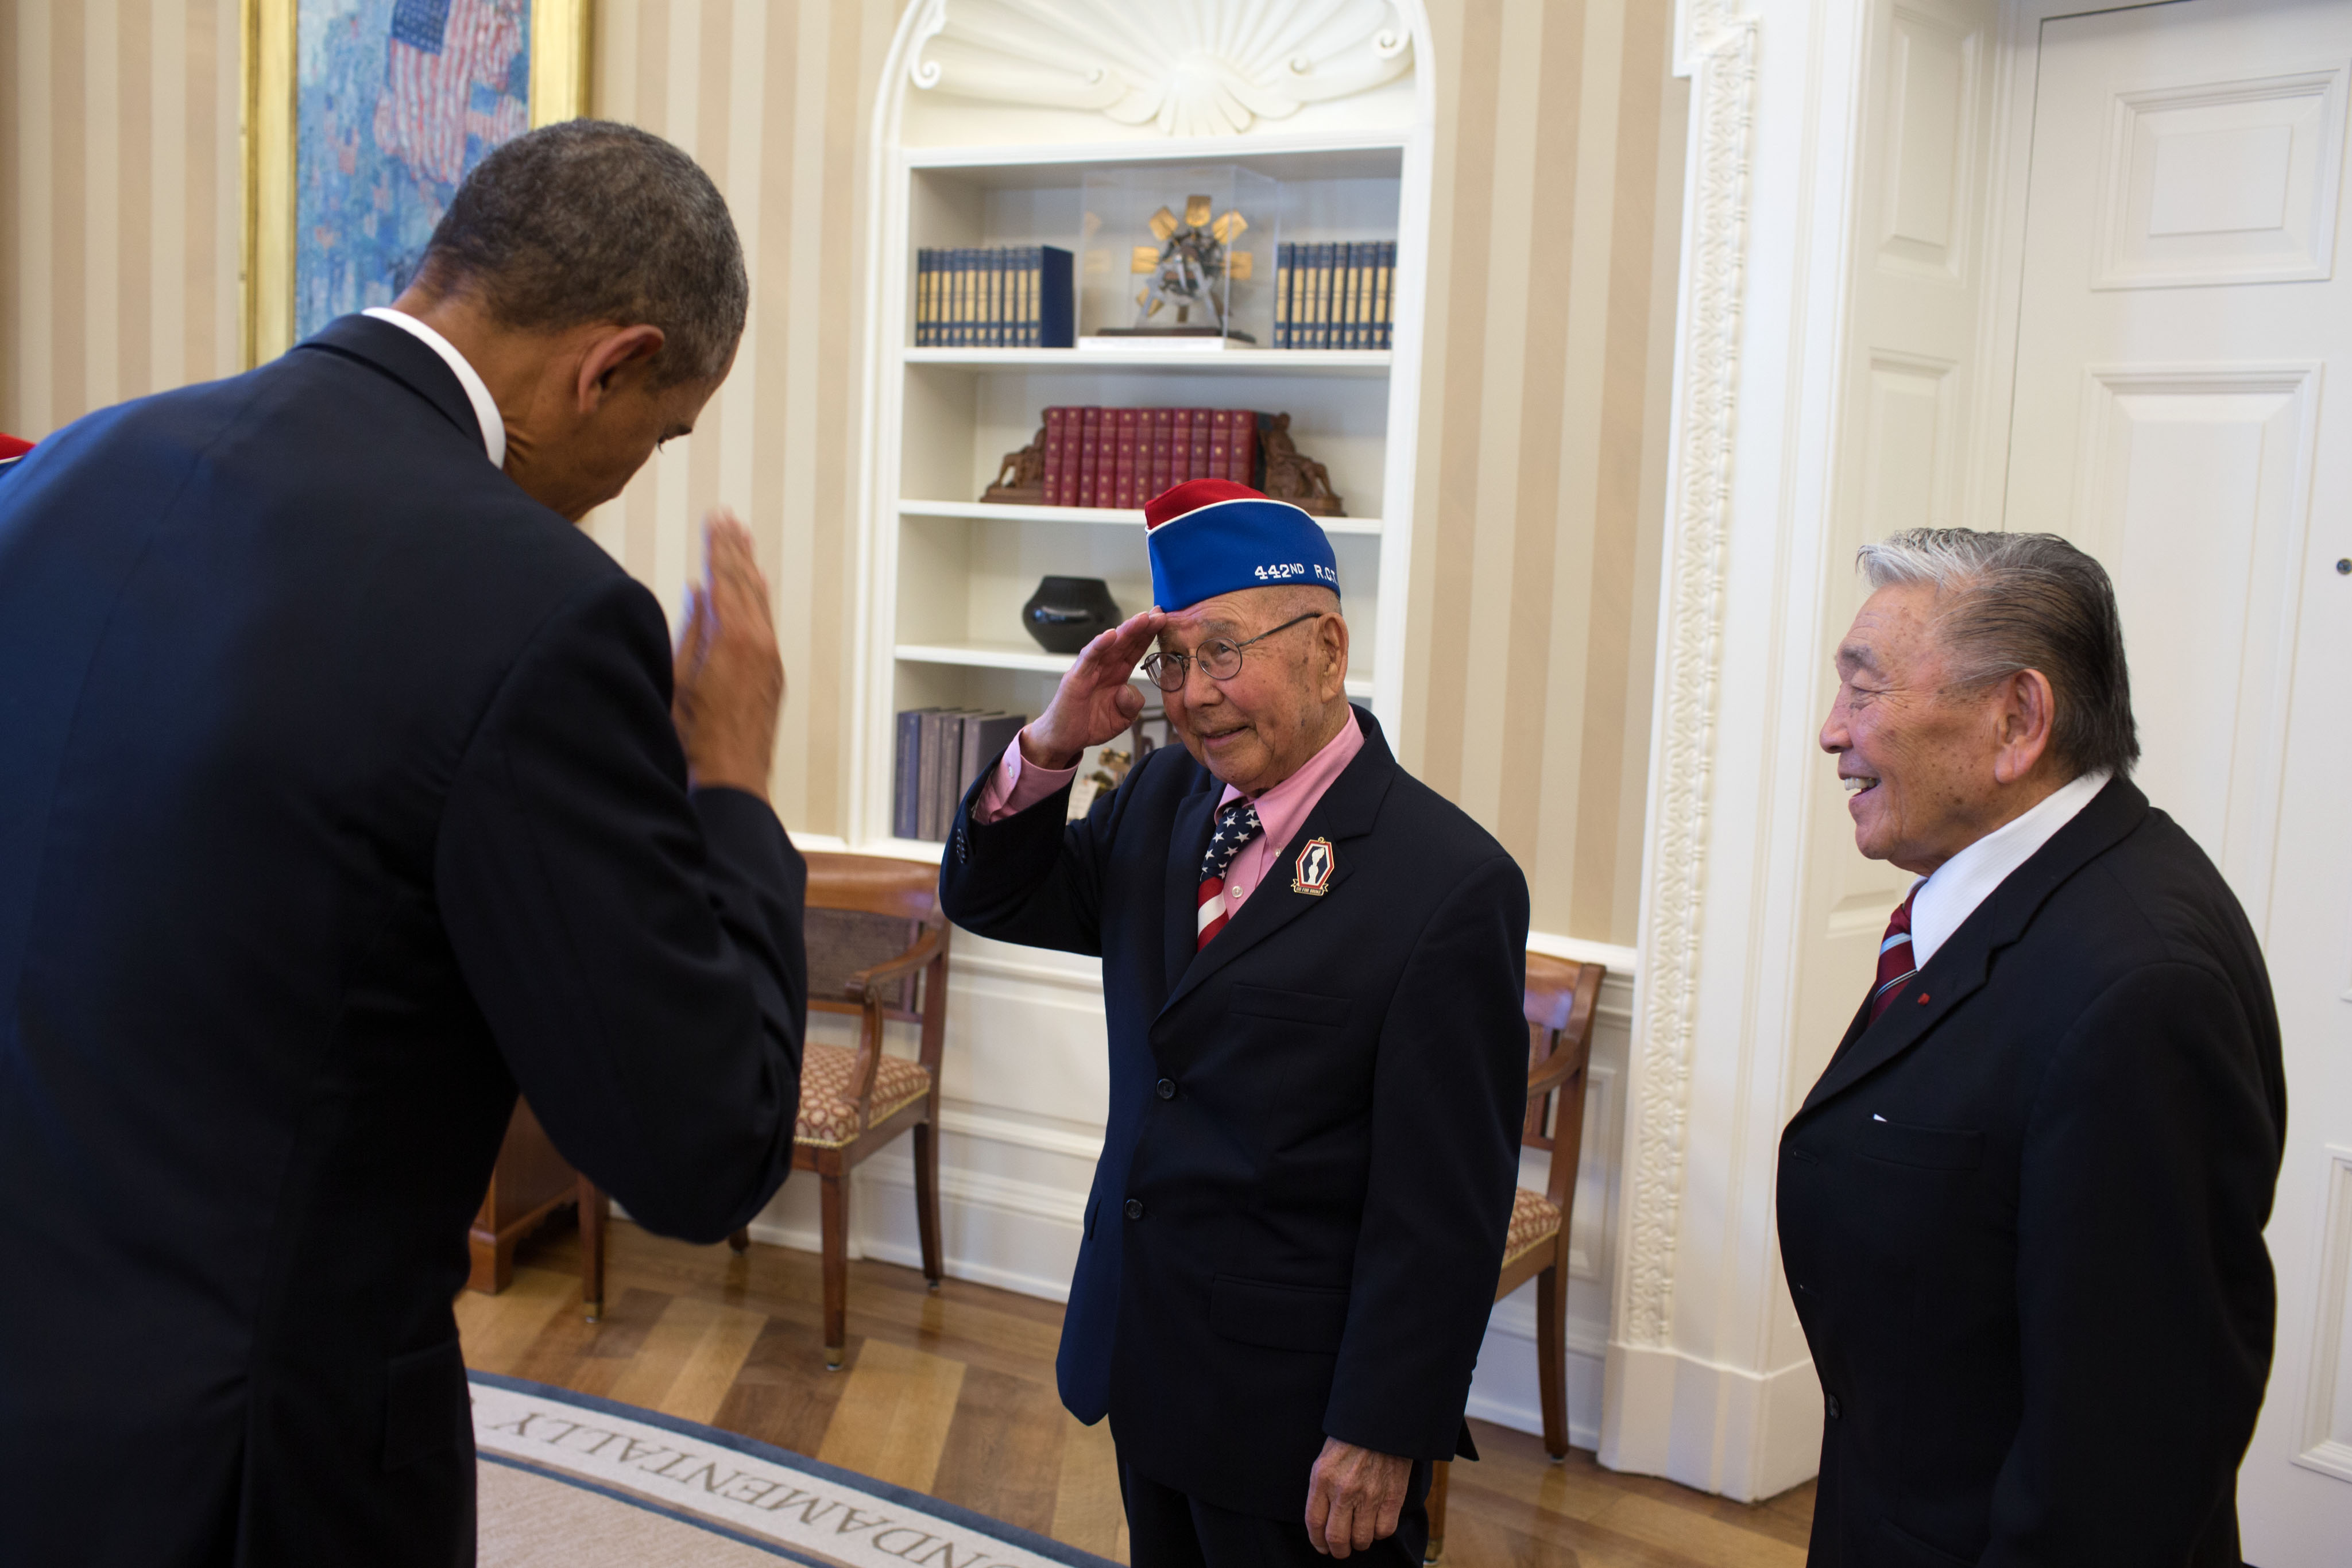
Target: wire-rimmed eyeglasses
<point>1220,658</point>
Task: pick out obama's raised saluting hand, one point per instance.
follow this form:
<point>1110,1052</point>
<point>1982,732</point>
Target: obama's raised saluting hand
<point>728,677</point>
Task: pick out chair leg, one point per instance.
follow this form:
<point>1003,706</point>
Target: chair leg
<point>1439,1475</point>
<point>1551,1357</point>
<point>741,1240</point>
<point>835,1219</point>
<point>927,1199</point>
<point>595,1215</point>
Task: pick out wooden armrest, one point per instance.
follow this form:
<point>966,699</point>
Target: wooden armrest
<point>868,983</point>
<point>1554,1071</point>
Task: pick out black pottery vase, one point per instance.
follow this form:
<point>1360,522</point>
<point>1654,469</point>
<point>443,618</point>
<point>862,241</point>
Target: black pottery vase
<point>1066,612</point>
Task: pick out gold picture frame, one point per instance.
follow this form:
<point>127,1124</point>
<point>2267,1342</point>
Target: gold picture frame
<point>559,64</point>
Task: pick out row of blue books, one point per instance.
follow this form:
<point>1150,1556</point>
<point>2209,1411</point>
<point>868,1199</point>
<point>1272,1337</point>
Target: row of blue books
<point>1334,296</point>
<point>999,297</point>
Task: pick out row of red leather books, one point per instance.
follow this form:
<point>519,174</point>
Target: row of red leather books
<point>1124,457</point>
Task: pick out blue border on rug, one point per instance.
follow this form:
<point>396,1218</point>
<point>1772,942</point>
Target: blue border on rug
<point>906,1497</point>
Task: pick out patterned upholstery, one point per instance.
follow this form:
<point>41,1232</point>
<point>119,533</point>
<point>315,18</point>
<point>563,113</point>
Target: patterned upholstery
<point>829,1118</point>
<point>1535,1218</point>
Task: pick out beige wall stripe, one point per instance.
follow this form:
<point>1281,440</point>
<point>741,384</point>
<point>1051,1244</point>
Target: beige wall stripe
<point>1453,522</point>
<point>1537,604</point>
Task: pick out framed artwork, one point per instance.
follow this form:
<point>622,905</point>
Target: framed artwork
<point>362,118</point>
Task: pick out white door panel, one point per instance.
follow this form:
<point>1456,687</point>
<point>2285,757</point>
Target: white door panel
<point>2181,320</point>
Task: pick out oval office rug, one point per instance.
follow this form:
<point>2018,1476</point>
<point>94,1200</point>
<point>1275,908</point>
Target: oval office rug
<point>586,1482</point>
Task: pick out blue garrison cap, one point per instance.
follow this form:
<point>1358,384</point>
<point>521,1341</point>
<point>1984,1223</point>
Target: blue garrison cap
<point>1209,537</point>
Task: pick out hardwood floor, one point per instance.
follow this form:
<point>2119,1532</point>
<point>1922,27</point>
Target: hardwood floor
<point>952,1395</point>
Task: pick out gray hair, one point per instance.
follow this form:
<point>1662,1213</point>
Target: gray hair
<point>2011,603</point>
<point>588,221</point>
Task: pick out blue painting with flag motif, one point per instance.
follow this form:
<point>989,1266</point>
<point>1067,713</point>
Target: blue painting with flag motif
<point>396,101</point>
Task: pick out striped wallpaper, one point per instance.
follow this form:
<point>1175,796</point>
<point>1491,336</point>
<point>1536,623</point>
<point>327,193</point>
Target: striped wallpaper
<point>118,202</point>
<point>1545,405</point>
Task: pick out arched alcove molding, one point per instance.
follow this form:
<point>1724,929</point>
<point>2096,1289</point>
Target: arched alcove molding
<point>1283,86</point>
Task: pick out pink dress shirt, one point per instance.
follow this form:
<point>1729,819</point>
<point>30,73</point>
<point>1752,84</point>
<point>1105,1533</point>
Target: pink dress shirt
<point>1017,785</point>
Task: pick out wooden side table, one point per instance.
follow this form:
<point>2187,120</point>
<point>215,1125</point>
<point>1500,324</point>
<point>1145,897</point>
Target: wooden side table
<point>531,1182</point>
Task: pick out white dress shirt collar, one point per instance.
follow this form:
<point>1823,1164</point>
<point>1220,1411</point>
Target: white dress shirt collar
<point>477,391</point>
<point>1943,900</point>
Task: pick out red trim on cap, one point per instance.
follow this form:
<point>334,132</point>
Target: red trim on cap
<point>12,447</point>
<point>1192,496</point>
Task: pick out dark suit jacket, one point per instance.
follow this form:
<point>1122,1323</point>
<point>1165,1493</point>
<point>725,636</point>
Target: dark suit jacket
<point>338,796</point>
<point>1314,1124</point>
<point>2023,1217</point>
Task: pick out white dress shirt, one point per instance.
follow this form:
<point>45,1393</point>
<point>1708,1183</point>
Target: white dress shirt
<point>477,391</point>
<point>1941,900</point>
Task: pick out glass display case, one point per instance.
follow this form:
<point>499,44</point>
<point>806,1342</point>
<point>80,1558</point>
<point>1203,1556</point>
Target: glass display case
<point>1177,256</point>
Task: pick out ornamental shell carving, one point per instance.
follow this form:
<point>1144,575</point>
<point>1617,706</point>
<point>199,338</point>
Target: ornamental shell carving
<point>1193,68</point>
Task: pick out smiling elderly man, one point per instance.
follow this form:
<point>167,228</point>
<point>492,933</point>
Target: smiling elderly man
<point>1312,966</point>
<point>2022,1213</point>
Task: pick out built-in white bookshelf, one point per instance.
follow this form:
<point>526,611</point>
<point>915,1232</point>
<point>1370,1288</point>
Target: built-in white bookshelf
<point>973,148</point>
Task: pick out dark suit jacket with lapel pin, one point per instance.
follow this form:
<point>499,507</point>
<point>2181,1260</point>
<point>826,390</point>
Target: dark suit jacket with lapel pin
<point>338,794</point>
<point>2022,1217</point>
<point>1297,1220</point>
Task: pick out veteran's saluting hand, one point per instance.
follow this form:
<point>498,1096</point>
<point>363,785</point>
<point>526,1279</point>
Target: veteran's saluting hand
<point>1095,702</point>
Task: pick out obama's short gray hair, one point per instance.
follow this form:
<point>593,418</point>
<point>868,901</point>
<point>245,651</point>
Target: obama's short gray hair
<point>2011,603</point>
<point>589,221</point>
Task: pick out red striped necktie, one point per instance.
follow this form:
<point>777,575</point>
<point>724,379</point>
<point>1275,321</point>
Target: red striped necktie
<point>1237,824</point>
<point>1895,961</point>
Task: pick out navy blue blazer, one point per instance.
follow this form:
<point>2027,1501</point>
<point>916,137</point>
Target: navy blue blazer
<point>339,794</point>
<point>1297,1220</point>
<point>2022,1217</point>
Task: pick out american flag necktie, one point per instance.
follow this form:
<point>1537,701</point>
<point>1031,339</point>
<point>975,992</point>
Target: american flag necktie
<point>1894,962</point>
<point>1237,824</point>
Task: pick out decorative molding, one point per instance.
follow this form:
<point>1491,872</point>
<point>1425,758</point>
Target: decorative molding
<point>2320,1443</point>
<point>1722,56</point>
<point>1087,1146</point>
<point>1193,68</point>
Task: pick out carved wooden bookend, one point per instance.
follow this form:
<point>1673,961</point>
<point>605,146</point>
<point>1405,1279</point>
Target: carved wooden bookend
<point>1021,478</point>
<point>1291,475</point>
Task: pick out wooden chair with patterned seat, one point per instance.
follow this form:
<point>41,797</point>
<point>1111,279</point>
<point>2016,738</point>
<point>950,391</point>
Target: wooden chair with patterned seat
<point>877,949</point>
<point>1560,1002</point>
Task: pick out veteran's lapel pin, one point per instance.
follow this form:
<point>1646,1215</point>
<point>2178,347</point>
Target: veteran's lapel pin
<point>1313,872</point>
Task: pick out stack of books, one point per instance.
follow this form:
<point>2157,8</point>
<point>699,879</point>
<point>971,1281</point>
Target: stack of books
<point>1124,457</point>
<point>1007,297</point>
<point>1336,296</point>
<point>941,751</point>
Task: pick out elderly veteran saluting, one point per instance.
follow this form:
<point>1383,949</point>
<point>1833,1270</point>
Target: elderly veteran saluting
<point>2022,1213</point>
<point>1312,966</point>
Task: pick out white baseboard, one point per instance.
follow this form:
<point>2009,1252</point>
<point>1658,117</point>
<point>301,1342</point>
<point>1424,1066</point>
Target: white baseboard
<point>1673,1415</point>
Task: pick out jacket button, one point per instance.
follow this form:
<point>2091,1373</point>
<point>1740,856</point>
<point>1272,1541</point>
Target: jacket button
<point>1167,1087</point>
<point>1832,1398</point>
<point>1135,1209</point>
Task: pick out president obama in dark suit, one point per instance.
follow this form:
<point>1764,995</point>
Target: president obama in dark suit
<point>1313,968</point>
<point>2022,1213</point>
<point>345,785</point>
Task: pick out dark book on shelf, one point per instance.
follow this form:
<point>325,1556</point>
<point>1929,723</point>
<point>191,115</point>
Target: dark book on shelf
<point>1057,314</point>
<point>929,819</point>
<point>1283,295</point>
<point>906,778</point>
<point>985,736</point>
